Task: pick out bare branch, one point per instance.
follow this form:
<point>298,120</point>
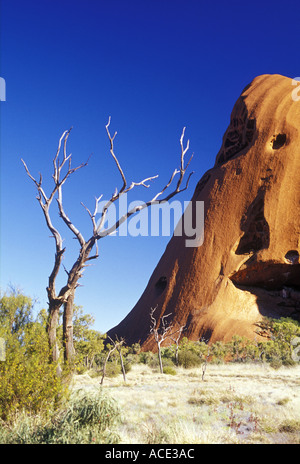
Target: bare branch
<point>141,183</point>
<point>93,216</point>
<point>66,220</point>
<point>58,166</point>
<point>154,200</point>
<point>55,173</point>
<point>111,139</point>
<point>65,269</point>
<point>117,194</point>
<point>38,185</point>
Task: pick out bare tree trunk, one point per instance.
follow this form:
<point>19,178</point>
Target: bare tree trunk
<point>68,328</point>
<point>176,354</point>
<point>105,362</point>
<point>176,341</point>
<point>122,363</point>
<point>204,364</point>
<point>159,358</point>
<point>51,329</point>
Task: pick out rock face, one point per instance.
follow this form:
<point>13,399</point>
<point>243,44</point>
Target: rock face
<point>248,266</point>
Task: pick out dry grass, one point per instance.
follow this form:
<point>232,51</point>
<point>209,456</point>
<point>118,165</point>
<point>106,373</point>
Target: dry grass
<point>236,403</point>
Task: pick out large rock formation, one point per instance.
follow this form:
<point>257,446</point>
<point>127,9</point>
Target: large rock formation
<point>248,266</point>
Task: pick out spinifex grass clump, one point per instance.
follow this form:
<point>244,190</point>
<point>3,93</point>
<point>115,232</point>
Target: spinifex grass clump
<point>87,418</point>
<point>91,410</point>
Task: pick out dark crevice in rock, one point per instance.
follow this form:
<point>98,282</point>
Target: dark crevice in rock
<point>292,257</point>
<point>255,227</point>
<point>278,141</point>
<point>268,275</point>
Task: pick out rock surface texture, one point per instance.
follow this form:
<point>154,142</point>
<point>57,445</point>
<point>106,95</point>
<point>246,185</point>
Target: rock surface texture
<point>248,266</point>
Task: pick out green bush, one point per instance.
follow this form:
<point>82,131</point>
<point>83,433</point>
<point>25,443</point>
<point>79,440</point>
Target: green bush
<point>112,369</point>
<point>153,362</point>
<point>188,359</point>
<point>276,363</point>
<point>145,357</point>
<point>28,380</point>
<point>169,370</point>
<point>128,365</point>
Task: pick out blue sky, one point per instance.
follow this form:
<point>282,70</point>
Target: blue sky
<point>154,67</point>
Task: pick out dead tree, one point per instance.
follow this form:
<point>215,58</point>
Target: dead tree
<point>88,248</point>
<point>119,344</point>
<point>116,345</point>
<point>176,339</point>
<point>161,332</point>
<point>206,358</point>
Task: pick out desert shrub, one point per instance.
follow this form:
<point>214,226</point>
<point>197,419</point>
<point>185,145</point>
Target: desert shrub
<point>289,362</point>
<point>169,370</point>
<point>28,380</point>
<point>112,369</point>
<point>168,362</point>
<point>240,349</point>
<point>284,329</point>
<point>128,362</point>
<point>290,426</point>
<point>200,399</point>
<point>88,343</point>
<point>134,349</point>
<point>154,363</point>
<point>283,401</point>
<point>151,359</point>
<point>276,363</point>
<point>278,349</point>
<point>168,353</point>
<point>218,352</point>
<point>192,353</point>
<point>145,357</point>
<point>94,373</point>
<point>188,359</point>
<point>82,369</point>
<point>15,311</point>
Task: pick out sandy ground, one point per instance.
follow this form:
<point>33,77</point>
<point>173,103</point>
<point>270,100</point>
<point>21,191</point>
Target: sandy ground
<point>235,403</point>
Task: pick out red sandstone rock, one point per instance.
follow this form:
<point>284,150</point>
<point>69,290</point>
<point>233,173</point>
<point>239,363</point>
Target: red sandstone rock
<point>248,265</point>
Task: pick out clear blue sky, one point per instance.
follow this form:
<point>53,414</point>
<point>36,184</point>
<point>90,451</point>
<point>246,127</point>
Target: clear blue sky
<point>154,66</point>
